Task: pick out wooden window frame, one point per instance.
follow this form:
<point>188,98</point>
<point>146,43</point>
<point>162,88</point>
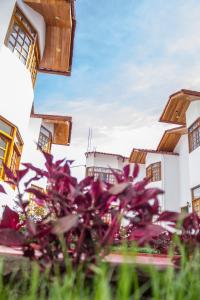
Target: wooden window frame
<point>34,209</point>
<point>48,150</point>
<point>12,148</point>
<point>194,200</point>
<point>191,135</point>
<point>150,174</point>
<point>33,58</point>
<point>100,172</point>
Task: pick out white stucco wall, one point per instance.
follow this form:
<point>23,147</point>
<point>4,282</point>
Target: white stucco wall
<point>104,161</point>
<point>169,182</point>
<point>192,114</point>
<point>184,176</point>
<point>16,91</point>
<point>154,158</point>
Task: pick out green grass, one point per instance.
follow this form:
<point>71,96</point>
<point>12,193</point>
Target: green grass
<point>107,283</point>
<point>147,250</point>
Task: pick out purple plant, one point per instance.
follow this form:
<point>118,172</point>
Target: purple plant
<point>76,219</point>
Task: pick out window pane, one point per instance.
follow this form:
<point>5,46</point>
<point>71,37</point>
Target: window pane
<point>22,34</point>
<point>196,193</point>
<point>16,27</point>
<point>12,40</point>
<point>44,141</point>
<point>5,127</point>
<point>2,152</point>
<point>23,60</point>
<point>27,40</point>
<point>2,143</point>
<point>194,135</point>
<point>10,46</point>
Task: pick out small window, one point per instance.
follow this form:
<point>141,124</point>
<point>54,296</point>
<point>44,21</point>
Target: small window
<point>105,174</point>
<point>196,199</point>
<point>194,135</point>
<point>153,172</point>
<point>22,41</point>
<point>45,140</point>
<point>11,146</point>
<point>184,210</point>
<point>35,210</point>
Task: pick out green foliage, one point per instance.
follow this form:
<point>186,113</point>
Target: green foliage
<point>104,282</point>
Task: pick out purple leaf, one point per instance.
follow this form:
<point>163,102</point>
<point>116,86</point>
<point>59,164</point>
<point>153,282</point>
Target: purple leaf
<point>136,171</point>
<point>169,216</point>
<point>59,162</point>
<point>10,219</point>
<point>147,233</point>
<point>38,171</point>
<point>70,162</point>
<point>37,193</point>
<point>85,182</point>
<point>118,188</point>
<point>2,190</point>
<point>126,170</point>
<point>9,173</point>
<point>11,238</point>
<point>64,224</point>
<point>21,174</point>
<point>96,189</point>
<point>48,158</point>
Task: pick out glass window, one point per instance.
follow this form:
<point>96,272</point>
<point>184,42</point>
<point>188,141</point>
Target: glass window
<point>22,40</point>
<point>153,172</point>
<point>194,135</point>
<point>45,139</point>
<point>5,127</point>
<point>105,174</point>
<point>196,199</point>
<point>10,146</point>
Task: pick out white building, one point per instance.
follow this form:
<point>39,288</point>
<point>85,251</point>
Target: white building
<point>175,165</point>
<point>35,36</point>
<point>99,165</point>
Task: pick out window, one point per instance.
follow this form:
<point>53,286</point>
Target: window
<point>35,210</point>
<point>196,199</point>
<point>153,172</point>
<point>105,174</point>
<point>184,210</point>
<point>11,146</point>
<point>22,40</point>
<point>194,135</point>
<point>45,140</point>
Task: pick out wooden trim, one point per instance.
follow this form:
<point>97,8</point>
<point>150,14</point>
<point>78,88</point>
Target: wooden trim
<point>150,167</point>
<point>51,117</point>
<point>12,146</point>
<point>34,50</point>
<point>170,138</point>
<point>191,96</point>
<point>59,34</point>
<point>194,200</point>
<point>56,72</point>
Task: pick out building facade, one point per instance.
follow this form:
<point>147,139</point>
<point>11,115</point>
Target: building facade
<point>35,36</point>
<point>175,165</point>
<point>100,165</point>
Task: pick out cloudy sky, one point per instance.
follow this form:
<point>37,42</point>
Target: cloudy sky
<point>129,56</point>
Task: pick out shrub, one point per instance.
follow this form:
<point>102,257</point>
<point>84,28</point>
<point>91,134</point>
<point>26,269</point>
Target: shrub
<point>75,223</point>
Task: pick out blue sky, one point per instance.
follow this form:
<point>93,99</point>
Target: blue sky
<point>129,56</point>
